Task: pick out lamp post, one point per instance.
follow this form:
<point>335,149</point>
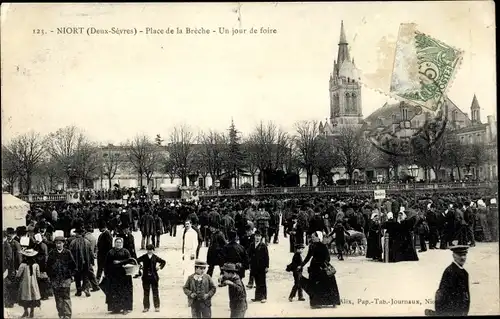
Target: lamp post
<point>414,173</point>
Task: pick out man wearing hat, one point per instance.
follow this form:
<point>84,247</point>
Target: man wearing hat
<point>150,264</point>
<point>15,261</point>
<point>200,288</point>
<point>60,269</point>
<point>236,289</point>
<point>453,294</point>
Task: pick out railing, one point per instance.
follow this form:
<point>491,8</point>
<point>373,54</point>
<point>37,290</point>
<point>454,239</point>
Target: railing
<point>360,188</point>
<point>43,198</point>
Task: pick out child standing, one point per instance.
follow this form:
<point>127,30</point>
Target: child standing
<point>297,272</point>
<point>151,263</point>
<point>236,289</point>
<point>200,289</point>
<point>29,292</point>
<point>340,233</point>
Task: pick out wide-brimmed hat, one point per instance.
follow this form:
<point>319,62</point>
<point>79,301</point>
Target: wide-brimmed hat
<point>29,252</point>
<point>229,267</point>
<point>10,231</point>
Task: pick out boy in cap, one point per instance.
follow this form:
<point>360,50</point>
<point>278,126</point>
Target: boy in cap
<point>200,288</point>
<point>151,263</point>
<point>236,289</point>
<point>453,295</point>
<point>297,272</point>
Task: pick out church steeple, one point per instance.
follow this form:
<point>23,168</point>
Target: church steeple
<point>343,54</point>
<point>475,111</point>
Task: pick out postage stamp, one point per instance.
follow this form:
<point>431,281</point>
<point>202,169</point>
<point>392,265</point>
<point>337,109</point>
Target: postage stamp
<point>423,67</point>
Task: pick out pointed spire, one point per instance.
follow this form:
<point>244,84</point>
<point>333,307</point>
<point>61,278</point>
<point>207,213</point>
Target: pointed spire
<point>343,53</point>
<point>342,33</point>
<point>475,103</point>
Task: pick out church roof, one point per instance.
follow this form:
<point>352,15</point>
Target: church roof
<point>348,70</point>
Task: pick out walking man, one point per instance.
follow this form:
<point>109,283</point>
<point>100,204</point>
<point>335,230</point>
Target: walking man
<point>60,268</point>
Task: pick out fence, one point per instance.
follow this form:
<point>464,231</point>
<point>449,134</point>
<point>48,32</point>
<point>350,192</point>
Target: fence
<point>356,189</point>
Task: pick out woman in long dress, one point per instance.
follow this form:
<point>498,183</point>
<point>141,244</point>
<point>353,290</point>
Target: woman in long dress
<point>119,292</point>
<point>374,240</point>
<point>321,288</point>
<point>29,273</point>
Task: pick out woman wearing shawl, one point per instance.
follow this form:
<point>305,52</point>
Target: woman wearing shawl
<point>118,286</point>
<point>321,288</point>
<point>374,240</point>
<point>29,273</point>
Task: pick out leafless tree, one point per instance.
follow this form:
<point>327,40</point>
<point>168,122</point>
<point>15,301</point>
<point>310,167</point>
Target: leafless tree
<point>144,156</point>
<point>11,171</point>
<point>308,146</point>
<point>456,154</point>
<point>180,150</point>
<point>429,147</point>
<point>63,146</point>
<point>250,157</point>
<point>111,161</point>
<point>214,149</point>
<point>28,150</point>
<point>351,150</point>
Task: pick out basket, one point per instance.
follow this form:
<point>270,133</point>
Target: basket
<point>131,270</point>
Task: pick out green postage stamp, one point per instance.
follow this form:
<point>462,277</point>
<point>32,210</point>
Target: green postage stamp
<point>423,68</point>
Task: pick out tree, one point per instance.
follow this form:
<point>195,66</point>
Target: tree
<point>395,153</point>
<point>11,170</point>
<point>86,161</point>
<point>214,149</point>
<point>251,158</point>
<point>308,145</point>
<point>27,150</point>
<point>144,156</point>
<point>111,161</point>
<point>169,168</point>
<point>324,161</point>
<point>477,156</point>
<point>429,146</point>
<point>456,154</point>
<point>234,160</point>
<point>351,150</point>
<point>63,146</point>
<point>180,150</point>
<point>269,146</point>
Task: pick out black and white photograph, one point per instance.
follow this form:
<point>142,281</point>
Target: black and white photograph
<point>245,159</point>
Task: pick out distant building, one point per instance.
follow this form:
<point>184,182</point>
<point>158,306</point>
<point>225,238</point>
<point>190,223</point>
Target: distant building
<point>397,120</point>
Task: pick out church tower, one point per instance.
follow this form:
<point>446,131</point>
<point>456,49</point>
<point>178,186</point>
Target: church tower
<point>345,90</point>
<point>475,111</point>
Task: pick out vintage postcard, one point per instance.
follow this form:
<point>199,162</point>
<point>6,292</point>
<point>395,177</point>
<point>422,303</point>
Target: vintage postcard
<point>170,160</point>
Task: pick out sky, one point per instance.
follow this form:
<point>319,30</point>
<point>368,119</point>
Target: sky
<point>116,86</point>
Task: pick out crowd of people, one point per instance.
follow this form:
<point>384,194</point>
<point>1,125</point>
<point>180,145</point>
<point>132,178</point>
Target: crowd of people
<point>57,245</point>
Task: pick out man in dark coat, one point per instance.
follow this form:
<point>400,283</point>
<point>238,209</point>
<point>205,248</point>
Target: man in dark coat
<point>81,250</point>
<point>236,254</point>
<point>214,254</point>
<point>150,263</point>
<point>453,295</point>
<point>60,268</point>
<point>259,265</point>
<point>147,227</point>
<point>104,245</point>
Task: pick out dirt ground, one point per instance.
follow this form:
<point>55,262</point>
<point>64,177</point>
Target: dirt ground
<point>367,288</point>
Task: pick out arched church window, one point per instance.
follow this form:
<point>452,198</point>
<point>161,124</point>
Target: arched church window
<point>347,103</point>
<point>354,103</point>
<point>393,118</point>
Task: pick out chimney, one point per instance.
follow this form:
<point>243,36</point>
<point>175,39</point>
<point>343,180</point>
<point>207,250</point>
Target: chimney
<point>492,128</point>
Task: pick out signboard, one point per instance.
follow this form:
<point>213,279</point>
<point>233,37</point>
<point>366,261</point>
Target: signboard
<point>379,193</point>
<point>156,198</point>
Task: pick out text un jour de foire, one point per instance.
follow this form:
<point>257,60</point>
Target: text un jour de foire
<point>95,31</point>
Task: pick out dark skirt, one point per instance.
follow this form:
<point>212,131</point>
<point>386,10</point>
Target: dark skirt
<point>119,293</point>
<point>374,249</point>
<point>29,303</point>
<point>322,289</point>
